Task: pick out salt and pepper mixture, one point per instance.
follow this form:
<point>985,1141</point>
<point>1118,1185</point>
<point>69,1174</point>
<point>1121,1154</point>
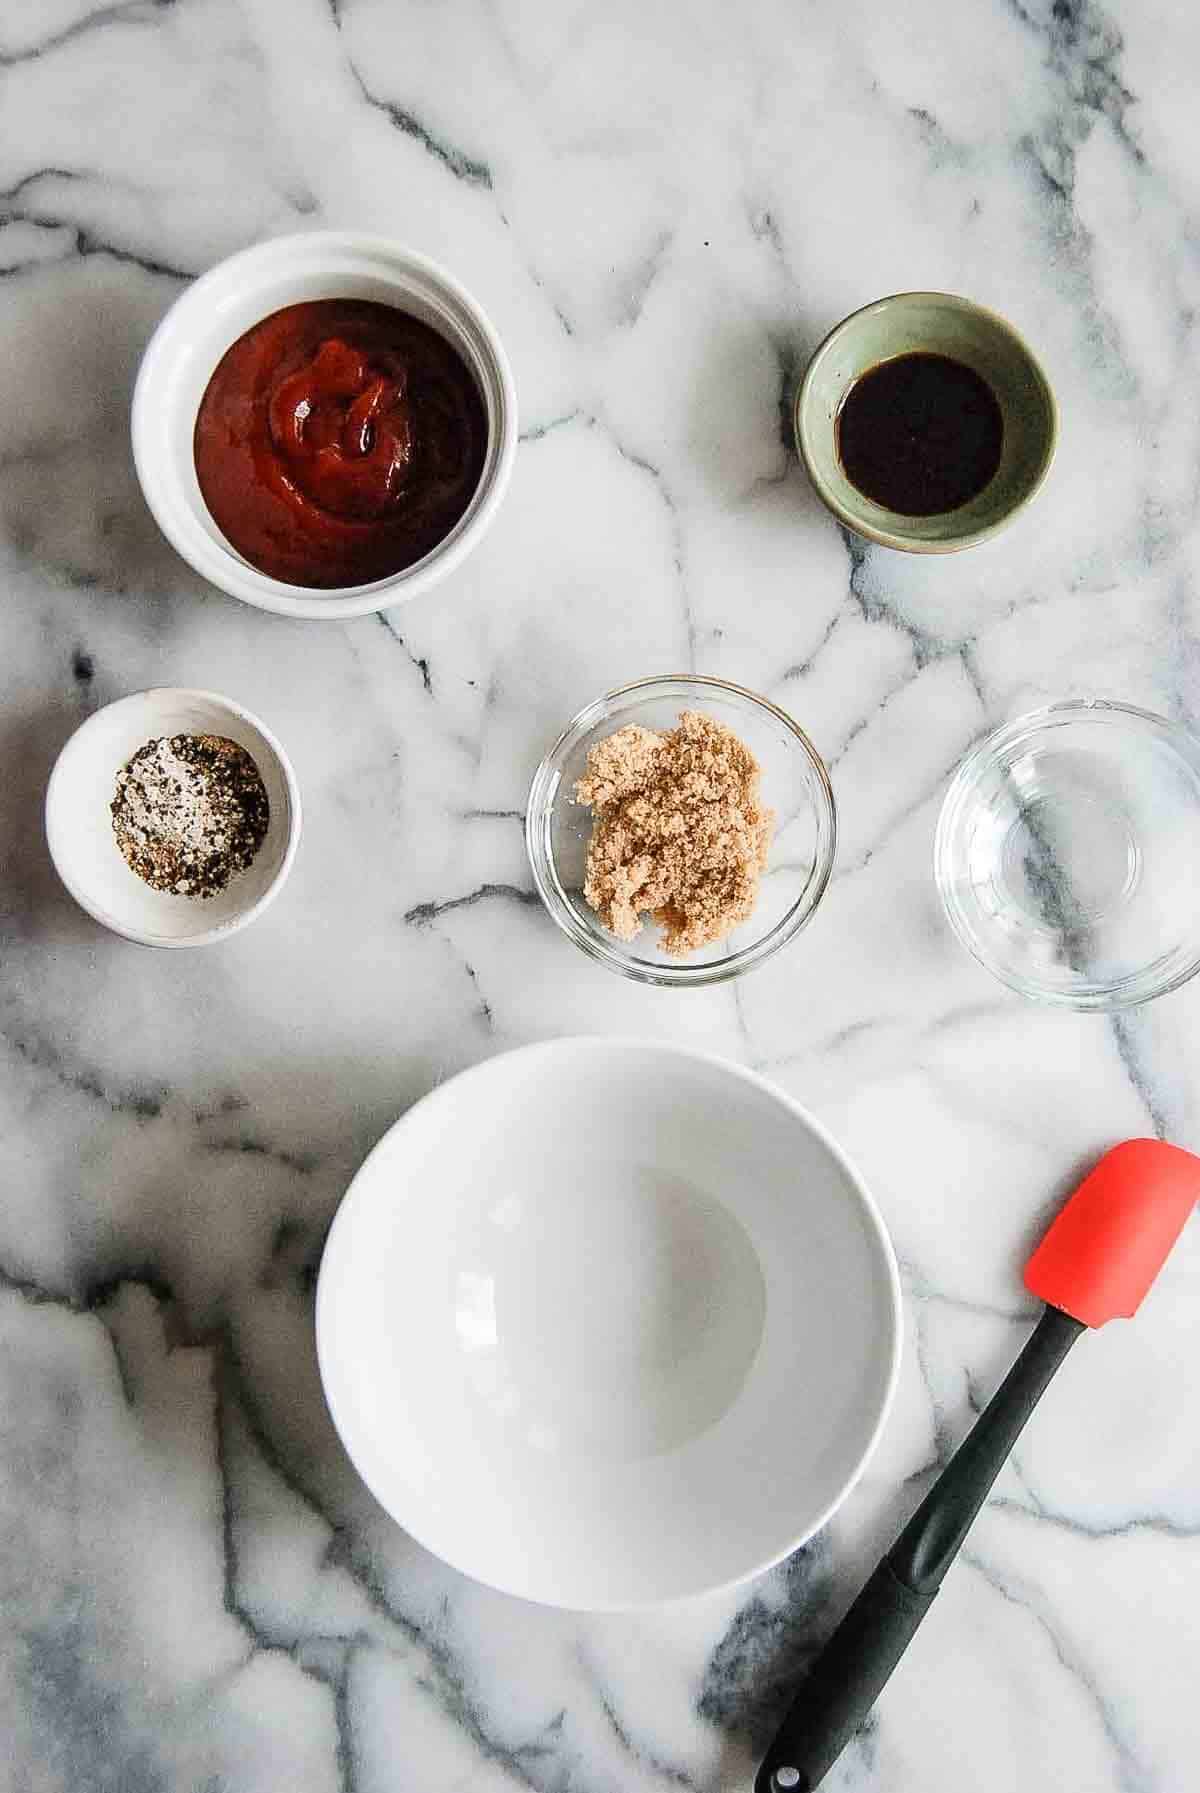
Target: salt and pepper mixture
<point>189,813</point>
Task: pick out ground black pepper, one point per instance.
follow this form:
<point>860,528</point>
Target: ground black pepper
<point>190,812</point>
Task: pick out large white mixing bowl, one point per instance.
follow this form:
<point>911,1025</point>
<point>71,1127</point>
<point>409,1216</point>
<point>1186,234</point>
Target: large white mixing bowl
<point>606,1323</point>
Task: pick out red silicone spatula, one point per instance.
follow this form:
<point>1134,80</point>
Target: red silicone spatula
<point>1096,1263</point>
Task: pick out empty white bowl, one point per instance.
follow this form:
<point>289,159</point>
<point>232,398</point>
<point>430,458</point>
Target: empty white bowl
<point>606,1324</point>
<point>210,315</point>
<point>84,847</point>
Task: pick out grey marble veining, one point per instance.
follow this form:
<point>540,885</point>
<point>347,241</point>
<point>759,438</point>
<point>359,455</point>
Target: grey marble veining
<point>663,209</point>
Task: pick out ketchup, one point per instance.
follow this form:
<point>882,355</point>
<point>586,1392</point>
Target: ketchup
<point>339,441</point>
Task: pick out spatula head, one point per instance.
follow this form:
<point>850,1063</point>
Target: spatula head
<point>1111,1240</point>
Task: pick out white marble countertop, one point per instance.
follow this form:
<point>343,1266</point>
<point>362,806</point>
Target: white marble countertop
<point>663,208</point>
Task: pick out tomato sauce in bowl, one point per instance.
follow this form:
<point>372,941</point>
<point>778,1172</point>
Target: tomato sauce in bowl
<point>338,442</point>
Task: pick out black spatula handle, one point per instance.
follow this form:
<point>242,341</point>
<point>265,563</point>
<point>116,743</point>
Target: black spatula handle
<point>843,1684</point>
<point>847,1677</point>
<point>933,1536</point>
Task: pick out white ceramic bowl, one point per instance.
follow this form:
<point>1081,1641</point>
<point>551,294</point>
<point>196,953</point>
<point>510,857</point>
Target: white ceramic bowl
<point>226,302</point>
<point>606,1323</point>
<point>79,820</point>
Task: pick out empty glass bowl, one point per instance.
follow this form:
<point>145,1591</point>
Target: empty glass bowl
<point>795,785</point>
<point>1067,853</point>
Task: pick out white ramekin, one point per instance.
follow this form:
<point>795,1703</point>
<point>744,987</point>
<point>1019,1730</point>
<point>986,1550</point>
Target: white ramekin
<point>226,302</point>
<point>84,848</point>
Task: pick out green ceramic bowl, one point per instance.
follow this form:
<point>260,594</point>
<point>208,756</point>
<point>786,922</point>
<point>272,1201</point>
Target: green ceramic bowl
<point>943,324</point>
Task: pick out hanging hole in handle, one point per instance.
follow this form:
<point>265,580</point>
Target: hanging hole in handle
<point>786,1779</point>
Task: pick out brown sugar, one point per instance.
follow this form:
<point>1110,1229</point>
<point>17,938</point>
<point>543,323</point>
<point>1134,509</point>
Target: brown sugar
<point>679,832</point>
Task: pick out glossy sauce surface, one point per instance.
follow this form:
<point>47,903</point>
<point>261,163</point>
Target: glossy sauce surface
<point>339,441</point>
<point>920,434</point>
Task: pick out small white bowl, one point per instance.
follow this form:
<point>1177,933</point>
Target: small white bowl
<point>607,1324</point>
<point>84,847</point>
<point>226,302</point>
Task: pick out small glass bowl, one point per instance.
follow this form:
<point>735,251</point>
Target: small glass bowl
<point>795,785</point>
<point>1066,854</point>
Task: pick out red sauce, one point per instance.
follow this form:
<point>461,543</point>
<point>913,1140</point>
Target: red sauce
<point>338,442</point>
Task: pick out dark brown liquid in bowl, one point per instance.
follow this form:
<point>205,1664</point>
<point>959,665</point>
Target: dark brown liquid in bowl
<point>920,434</point>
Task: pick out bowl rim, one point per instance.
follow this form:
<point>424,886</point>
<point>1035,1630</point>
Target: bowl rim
<point>897,538</point>
<point>892,1310</point>
<point>591,938</point>
<point>233,924</point>
<point>1127,992</point>
<point>259,265</point>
